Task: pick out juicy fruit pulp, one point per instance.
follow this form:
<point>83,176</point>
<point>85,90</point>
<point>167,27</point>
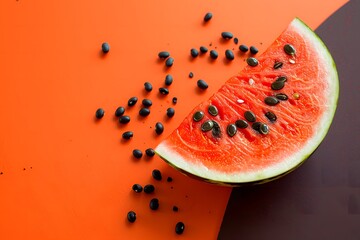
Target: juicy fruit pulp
<point>301,121</point>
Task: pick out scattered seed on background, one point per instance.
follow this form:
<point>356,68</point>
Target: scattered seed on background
<point>179,227</point>
<point>164,54</point>
<point>148,87</point>
<point>236,40</point>
<point>119,111</point>
<point>250,116</point>
<point>175,209</point>
<point>137,188</point>
<point>127,135</point>
<point>208,17</point>
<point>164,91</point>
<point>169,179</point>
<point>213,110</point>
<point>169,62</point>
<point>243,48</point>
<point>154,204</point>
<point>207,126</point>
<point>156,174</point>
<point>229,54</point>
<point>132,101</point>
<point>150,152</point>
<point>271,116</point>
<point>277,85</point>
<point>231,130</point>
<point>99,113</point>
<point>137,153</point>
<point>149,188</point>
<point>289,49</point>
<point>253,50</point>
<point>198,116</point>
<point>174,100</point>
<point>131,216</point>
<point>144,112</point>
<point>194,52</point>
<point>271,101</point>
<point>282,96</point>
<point>241,124</point>
<point>278,65</point>
<point>203,49</point>
<point>124,119</point>
<point>191,74</point>
<point>159,128</point>
<point>168,79</point>
<point>170,112</point>
<point>227,35</point>
<point>214,54</point>
<point>251,61</point>
<point>202,84</point>
<point>105,47</point>
<point>146,102</point>
<point>263,129</point>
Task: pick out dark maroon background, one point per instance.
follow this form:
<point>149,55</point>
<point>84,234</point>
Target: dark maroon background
<point>321,199</point>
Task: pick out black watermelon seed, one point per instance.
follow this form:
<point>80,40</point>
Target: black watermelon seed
<point>164,54</point>
<point>281,79</point>
<point>241,124</point>
<point>271,116</point>
<point>127,135</point>
<point>179,227</point>
<point>278,65</point>
<point>144,112</point>
<point>213,110</point>
<point>194,52</point>
<point>231,130</point>
<point>170,112</point>
<point>137,153</point>
<point>191,74</point>
<point>169,62</point>
<point>203,49</point>
<point>132,101</point>
<point>198,116</point>
<point>243,48</point>
<point>277,85</point>
<point>119,111</point>
<point>202,84</point>
<point>169,179</point>
<point>159,128</point>
<point>264,129</point>
<point>168,79</point>
<point>154,204</point>
<point>282,96</point>
<point>105,47</point>
<point>149,188</point>
<point>175,209</point>
<point>207,126</point>
<point>137,188</point>
<point>99,113</point>
<point>216,131</point>
<point>124,119</point>
<point>150,152</point>
<point>251,61</point>
<point>250,116</point>
<point>214,54</point>
<point>208,16</point>
<point>229,55</point>
<point>256,126</point>
<point>146,102</point>
<point>253,50</point>
<point>164,91</point>
<point>131,216</point>
<point>289,49</point>
<point>156,174</point>
<point>236,40</point>
<point>174,100</point>
<point>148,86</point>
<point>227,35</point>
<point>271,101</point>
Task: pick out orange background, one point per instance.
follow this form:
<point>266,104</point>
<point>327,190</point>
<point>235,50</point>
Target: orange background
<point>65,175</point>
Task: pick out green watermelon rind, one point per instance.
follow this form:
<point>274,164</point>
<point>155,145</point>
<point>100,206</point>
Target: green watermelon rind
<point>274,172</point>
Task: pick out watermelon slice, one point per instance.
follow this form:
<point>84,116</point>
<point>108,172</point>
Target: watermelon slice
<point>214,145</point>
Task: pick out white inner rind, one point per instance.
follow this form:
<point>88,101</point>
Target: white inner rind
<point>290,162</point>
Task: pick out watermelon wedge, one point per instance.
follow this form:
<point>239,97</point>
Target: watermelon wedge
<point>213,142</point>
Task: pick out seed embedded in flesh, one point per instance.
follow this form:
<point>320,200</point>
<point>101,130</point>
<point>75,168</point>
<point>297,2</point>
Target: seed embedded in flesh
<point>179,227</point>
<point>277,85</point>
<point>278,65</point>
<point>281,96</point>
<point>148,87</point>
<point>99,113</point>
<point>124,119</point>
<point>127,135</point>
<point>194,52</point>
<point>159,128</point>
<point>154,204</point>
<point>213,110</point>
<point>149,188</point>
<point>256,126</point>
<point>137,153</point>
<point>169,62</point>
<point>253,50</point>
<point>229,55</point>
<point>281,79</point>
<point>289,49</point>
<point>241,124</point>
<point>296,96</point>
<point>243,48</point>
<point>131,216</point>
<point>271,101</point>
<point>169,179</point>
<point>216,130</point>
<point>250,116</point>
<point>202,84</point>
<point>164,54</point>
<point>132,101</point>
<point>207,126</point>
<point>214,54</point>
<point>231,130</point>
<point>168,79</point>
<point>137,188</point>
<point>144,112</point>
<point>119,111</point>
<point>170,112</point>
<point>150,152</point>
<point>208,17</point>
<point>164,91</point>
<point>175,208</point>
<point>271,116</point>
<point>251,61</point>
<point>227,35</point>
<point>263,129</point>
<point>156,174</point>
<point>198,116</point>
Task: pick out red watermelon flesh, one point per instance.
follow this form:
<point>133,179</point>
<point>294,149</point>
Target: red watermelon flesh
<point>302,121</point>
